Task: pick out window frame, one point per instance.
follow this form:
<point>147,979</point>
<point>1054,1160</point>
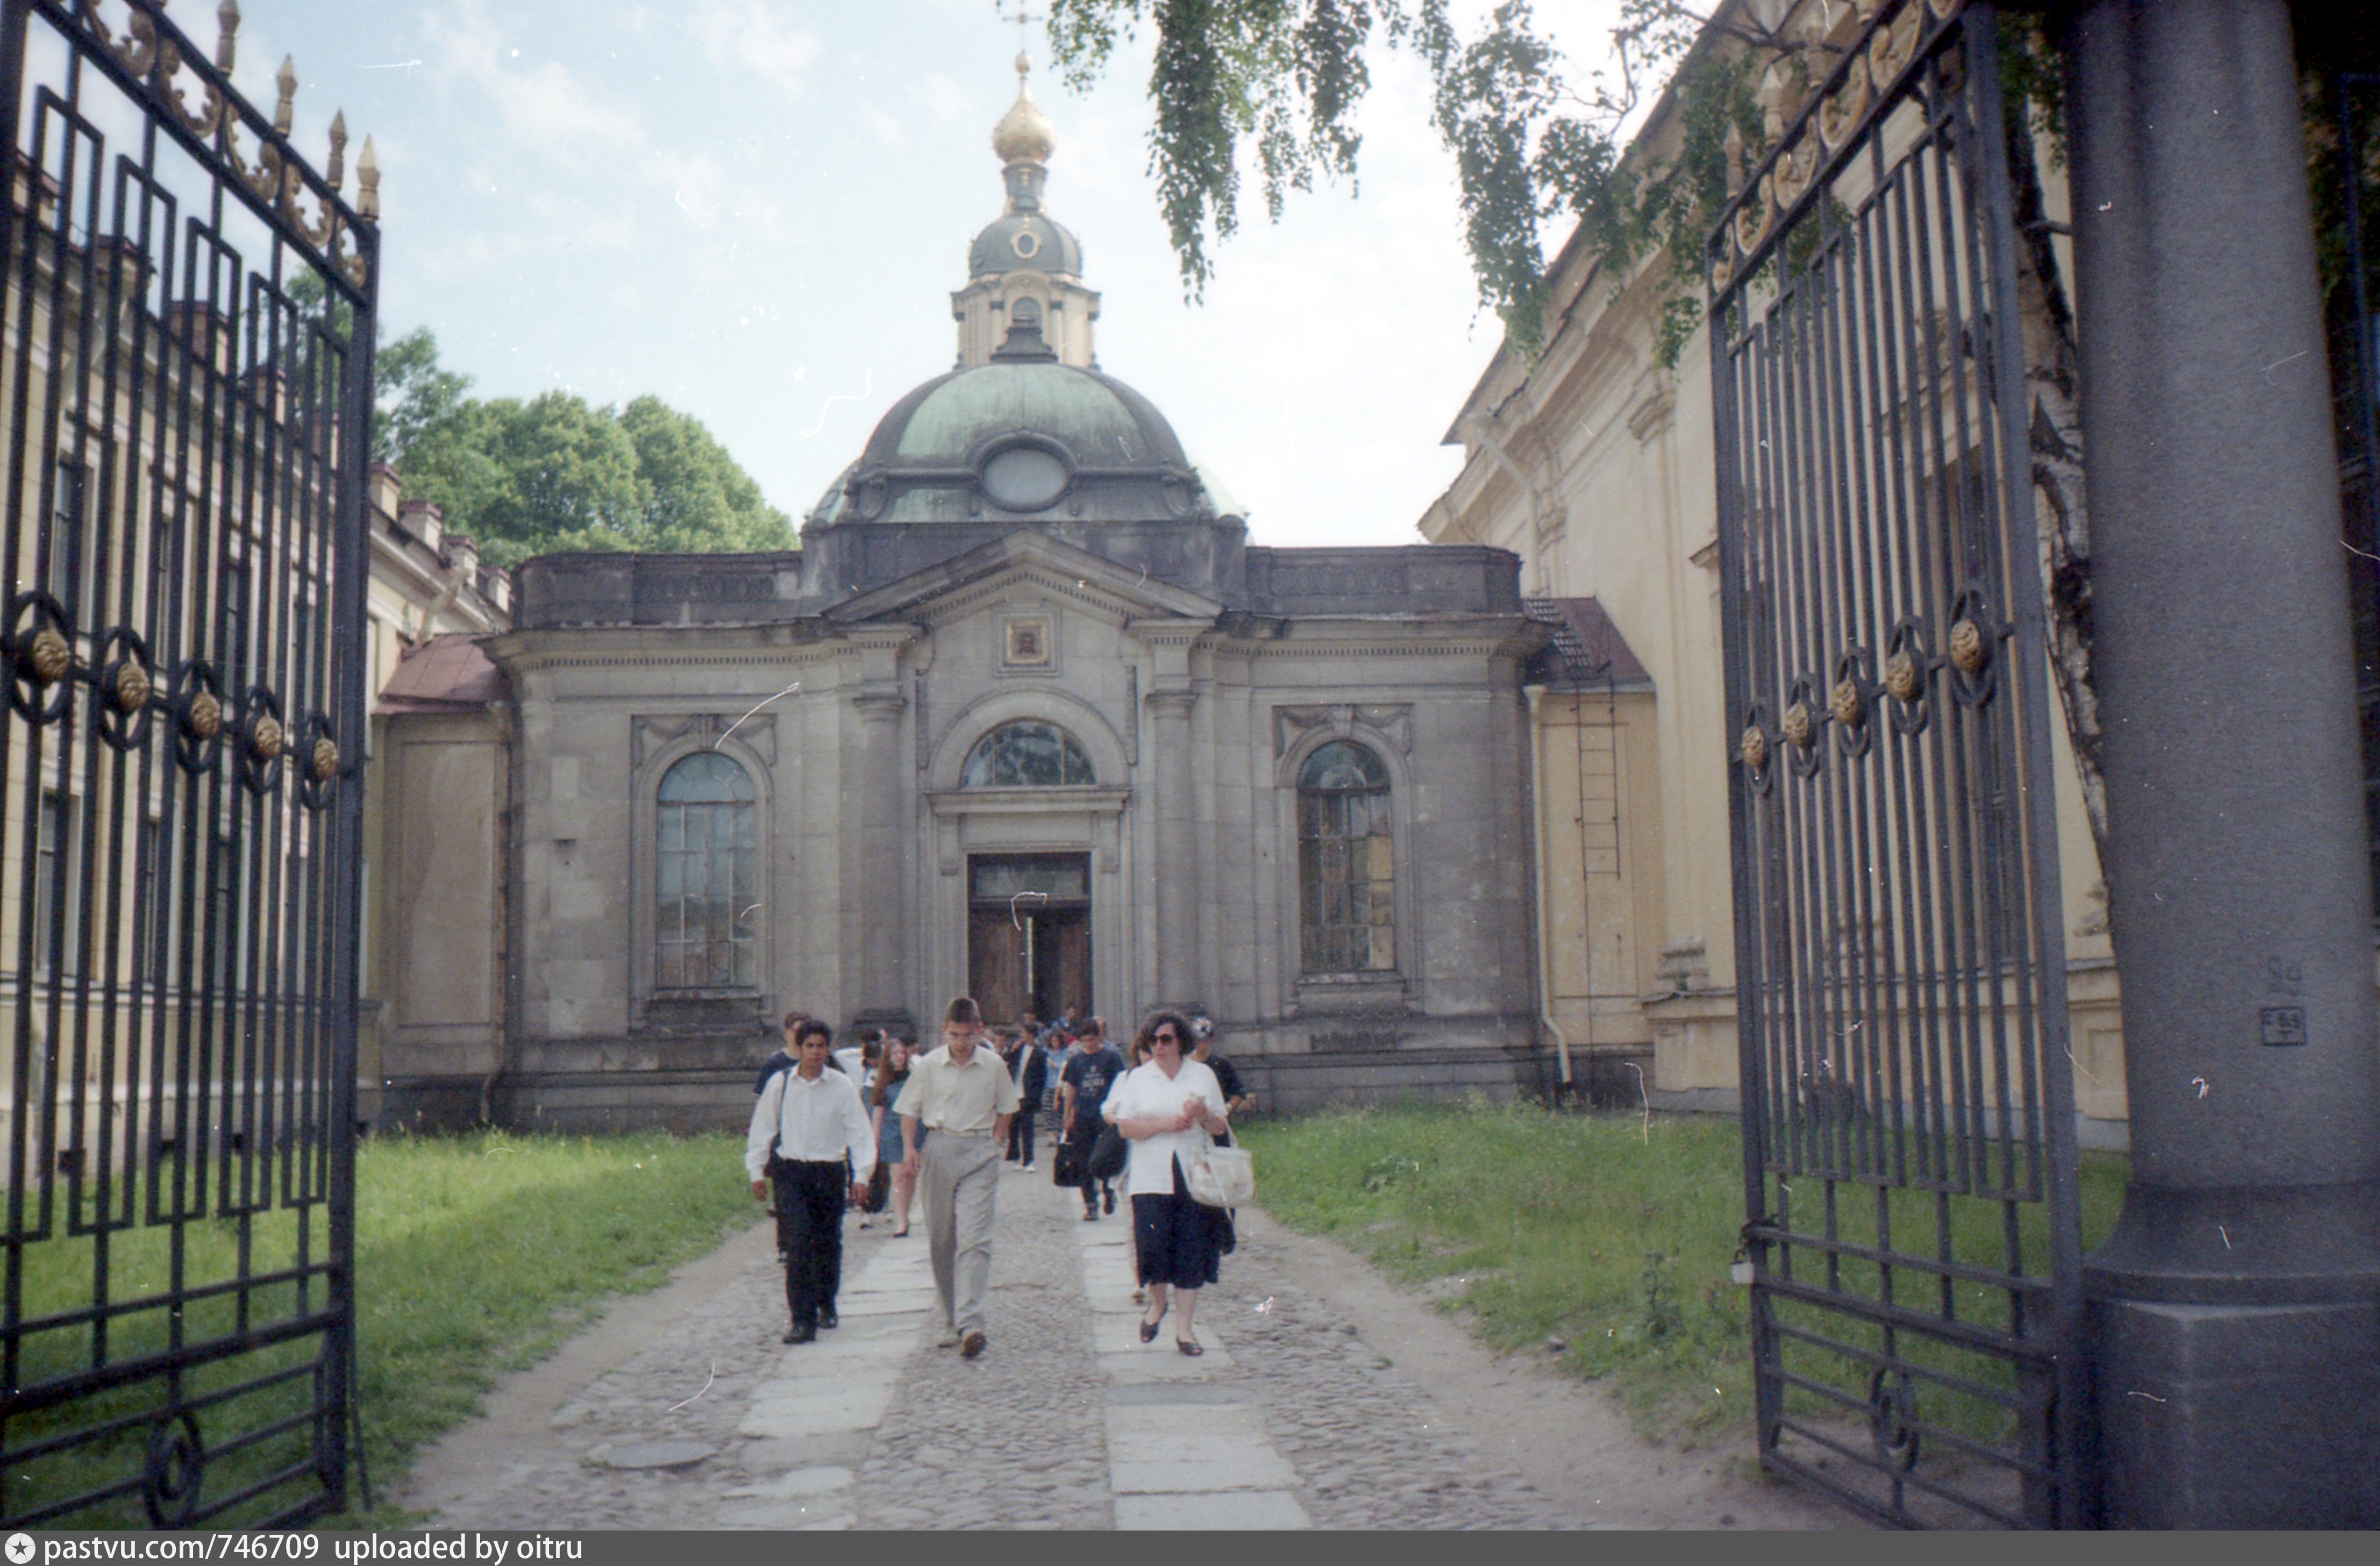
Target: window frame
<point>1309,964</point>
<point>1071,747</point>
<point>745,962</point>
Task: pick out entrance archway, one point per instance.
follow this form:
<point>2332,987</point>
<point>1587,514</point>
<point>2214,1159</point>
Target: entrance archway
<point>1029,934</point>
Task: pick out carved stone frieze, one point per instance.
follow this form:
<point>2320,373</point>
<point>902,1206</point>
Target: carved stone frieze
<point>1291,725</point>
<point>649,733</point>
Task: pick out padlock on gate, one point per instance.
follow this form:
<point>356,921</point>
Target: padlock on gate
<point>1739,1271</point>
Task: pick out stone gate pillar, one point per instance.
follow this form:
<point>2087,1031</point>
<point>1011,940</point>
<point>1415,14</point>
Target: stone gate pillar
<point>2234,1332</point>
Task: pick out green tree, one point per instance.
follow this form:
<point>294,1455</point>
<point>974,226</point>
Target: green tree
<point>552,474</point>
<point>692,495</point>
<point>417,394</point>
<point>568,478</point>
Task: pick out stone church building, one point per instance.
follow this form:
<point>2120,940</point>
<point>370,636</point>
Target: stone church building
<point>1027,716</point>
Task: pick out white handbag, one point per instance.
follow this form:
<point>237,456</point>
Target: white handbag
<point>1221,1177</point>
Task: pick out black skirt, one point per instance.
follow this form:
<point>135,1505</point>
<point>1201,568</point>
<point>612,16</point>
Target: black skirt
<point>1174,1238</point>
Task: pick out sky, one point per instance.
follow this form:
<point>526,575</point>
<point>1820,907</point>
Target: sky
<point>756,210</point>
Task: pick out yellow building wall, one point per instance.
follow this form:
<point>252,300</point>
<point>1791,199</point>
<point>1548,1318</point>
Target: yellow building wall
<point>1597,467</point>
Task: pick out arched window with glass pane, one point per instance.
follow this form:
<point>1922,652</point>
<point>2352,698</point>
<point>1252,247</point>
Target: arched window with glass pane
<point>705,870</point>
<point>1026,754</point>
<point>1346,862</point>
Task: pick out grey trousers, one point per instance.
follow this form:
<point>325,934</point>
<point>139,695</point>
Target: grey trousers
<point>961,1177</point>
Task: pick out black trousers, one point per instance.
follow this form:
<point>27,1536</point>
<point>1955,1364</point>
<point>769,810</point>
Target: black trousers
<point>810,1198</point>
<point>1083,1139</point>
<point>1020,1135</point>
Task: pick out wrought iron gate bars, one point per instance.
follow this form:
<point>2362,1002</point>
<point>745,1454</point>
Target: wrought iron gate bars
<point>230,439</point>
<point>1899,939</point>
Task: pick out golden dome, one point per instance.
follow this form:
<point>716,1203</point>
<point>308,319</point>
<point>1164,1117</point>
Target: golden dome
<point>1023,135</point>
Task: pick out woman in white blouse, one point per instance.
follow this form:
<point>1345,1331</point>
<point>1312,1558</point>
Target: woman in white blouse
<point>1168,1108</point>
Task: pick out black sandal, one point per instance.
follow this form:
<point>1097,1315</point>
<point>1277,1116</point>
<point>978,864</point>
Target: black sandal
<point>1189,1347</point>
<point>1148,1329</point>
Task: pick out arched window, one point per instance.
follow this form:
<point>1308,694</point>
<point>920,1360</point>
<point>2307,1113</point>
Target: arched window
<point>706,869</point>
<point>1346,866</point>
<point>1026,754</point>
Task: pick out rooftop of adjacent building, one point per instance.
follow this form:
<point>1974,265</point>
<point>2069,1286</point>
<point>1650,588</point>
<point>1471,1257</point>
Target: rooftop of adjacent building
<point>1587,651</point>
<point>447,673</point>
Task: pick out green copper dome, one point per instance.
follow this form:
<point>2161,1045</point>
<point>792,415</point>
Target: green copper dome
<point>1022,437</point>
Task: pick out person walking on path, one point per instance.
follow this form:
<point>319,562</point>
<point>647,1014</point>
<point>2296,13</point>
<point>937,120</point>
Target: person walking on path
<point>807,1124</point>
<point>963,1095</point>
<point>1168,1108</point>
<point>1030,1066</point>
<point>1236,1099</point>
<point>783,1058</point>
<point>890,1078</point>
<point>1082,1090</point>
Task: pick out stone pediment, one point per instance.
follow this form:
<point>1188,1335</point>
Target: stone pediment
<point>955,586</point>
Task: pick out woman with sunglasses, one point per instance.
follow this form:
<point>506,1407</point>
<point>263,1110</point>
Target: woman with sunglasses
<point>1168,1108</point>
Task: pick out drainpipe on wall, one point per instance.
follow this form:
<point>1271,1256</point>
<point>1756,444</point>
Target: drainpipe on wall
<point>1545,936</point>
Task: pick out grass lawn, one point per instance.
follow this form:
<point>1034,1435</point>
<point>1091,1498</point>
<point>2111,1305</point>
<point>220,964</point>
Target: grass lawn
<point>1597,1230</point>
<point>475,1255</point>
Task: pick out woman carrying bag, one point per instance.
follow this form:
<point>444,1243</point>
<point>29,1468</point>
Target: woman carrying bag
<point>1169,1111</point>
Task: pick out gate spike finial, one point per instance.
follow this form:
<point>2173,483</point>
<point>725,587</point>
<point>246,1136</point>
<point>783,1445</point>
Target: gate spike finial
<point>368,183</point>
<point>228,40</point>
<point>336,173</point>
<point>286,110</point>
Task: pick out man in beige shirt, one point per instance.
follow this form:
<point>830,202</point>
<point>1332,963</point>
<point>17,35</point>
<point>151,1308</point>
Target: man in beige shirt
<point>958,1104</point>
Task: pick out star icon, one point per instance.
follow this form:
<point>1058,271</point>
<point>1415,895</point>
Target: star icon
<point>20,1547</point>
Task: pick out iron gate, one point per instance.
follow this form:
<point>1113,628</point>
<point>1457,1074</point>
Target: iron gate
<point>186,336</point>
<point>1908,1114</point>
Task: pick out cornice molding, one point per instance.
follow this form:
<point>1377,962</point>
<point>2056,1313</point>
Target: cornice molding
<point>1102,799</point>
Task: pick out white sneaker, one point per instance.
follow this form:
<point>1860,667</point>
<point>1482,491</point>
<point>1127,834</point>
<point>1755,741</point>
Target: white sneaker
<point>948,1338</point>
<point>1028,1165</point>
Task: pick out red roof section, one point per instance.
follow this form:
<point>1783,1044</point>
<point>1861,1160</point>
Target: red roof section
<point>446,674</point>
<point>1587,647</point>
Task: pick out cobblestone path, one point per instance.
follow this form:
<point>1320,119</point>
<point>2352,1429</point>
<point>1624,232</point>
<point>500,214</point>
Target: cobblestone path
<point>1289,1420</point>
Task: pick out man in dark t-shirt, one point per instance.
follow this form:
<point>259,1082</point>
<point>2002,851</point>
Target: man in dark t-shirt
<point>1082,1089</point>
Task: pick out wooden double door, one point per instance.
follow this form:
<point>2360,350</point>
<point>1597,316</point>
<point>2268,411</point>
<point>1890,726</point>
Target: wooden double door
<point>1029,934</point>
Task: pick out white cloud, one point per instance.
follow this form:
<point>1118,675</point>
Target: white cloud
<point>704,191</point>
<point>696,184</point>
<point>945,98</point>
<point>543,107</point>
<point>753,34</point>
<point>881,125</point>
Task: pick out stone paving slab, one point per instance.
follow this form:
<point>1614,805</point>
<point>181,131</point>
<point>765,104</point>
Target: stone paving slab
<point>836,1406</point>
<point>837,1352</point>
<point>904,1302</point>
<point>800,1483</point>
<point>1116,1334</point>
<point>1208,1470</point>
<point>1144,1366</point>
<point>1203,1420</point>
<point>1266,1510</point>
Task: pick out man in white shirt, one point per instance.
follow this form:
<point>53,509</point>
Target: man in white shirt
<point>808,1123</point>
<point>962,1094</point>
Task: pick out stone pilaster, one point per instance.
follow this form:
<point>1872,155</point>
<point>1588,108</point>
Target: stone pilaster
<point>1179,973</point>
<point>883,1000</point>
